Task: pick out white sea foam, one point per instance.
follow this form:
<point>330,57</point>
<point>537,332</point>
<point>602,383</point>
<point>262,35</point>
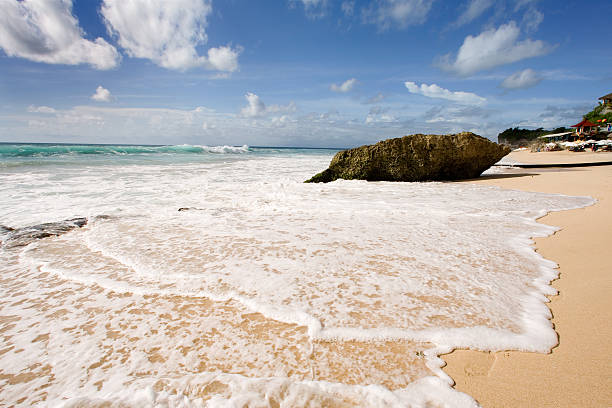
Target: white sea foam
<point>225,149</point>
<point>266,288</point>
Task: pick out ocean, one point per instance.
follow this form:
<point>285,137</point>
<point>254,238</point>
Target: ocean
<point>212,276</point>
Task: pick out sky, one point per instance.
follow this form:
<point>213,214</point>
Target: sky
<point>309,73</point>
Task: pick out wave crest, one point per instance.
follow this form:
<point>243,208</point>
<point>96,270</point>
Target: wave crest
<point>45,150</point>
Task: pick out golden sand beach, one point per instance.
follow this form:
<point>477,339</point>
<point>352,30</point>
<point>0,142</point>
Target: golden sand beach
<point>578,372</point>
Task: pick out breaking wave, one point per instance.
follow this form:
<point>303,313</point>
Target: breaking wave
<point>44,150</point>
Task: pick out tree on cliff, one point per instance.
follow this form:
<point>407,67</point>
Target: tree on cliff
<point>598,113</point>
<point>515,136</point>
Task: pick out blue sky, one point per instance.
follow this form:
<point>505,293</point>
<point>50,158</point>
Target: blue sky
<point>316,73</point>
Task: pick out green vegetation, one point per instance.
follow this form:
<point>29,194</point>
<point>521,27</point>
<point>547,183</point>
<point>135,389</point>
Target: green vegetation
<point>516,136</point>
<point>598,113</point>
<point>524,137</point>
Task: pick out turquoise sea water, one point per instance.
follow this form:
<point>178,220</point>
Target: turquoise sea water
<point>39,154</point>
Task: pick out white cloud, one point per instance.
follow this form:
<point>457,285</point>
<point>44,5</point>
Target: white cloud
<point>384,118</point>
<point>282,121</point>
<point>492,48</point>
<point>256,107</point>
<point>208,126</point>
<point>400,13</point>
<point>378,115</point>
<point>346,86</point>
<point>40,109</point>
<point>343,126</point>
<point>223,59</point>
<point>522,79</point>
<point>348,7</point>
<point>203,109</point>
<point>313,8</point>
<point>522,3</point>
<point>167,33</point>
<point>434,91</point>
<point>46,31</point>
<point>102,95</point>
<point>474,9</point>
<point>532,19</point>
<point>310,4</point>
<point>290,107</point>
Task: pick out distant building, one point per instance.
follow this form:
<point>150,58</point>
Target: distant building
<point>586,128</point>
<point>607,99</point>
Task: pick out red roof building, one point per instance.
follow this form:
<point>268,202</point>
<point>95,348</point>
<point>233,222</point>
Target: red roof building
<point>585,127</point>
<point>584,123</point>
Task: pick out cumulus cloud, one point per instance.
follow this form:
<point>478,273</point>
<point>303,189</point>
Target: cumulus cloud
<point>522,79</point>
<point>256,107</point>
<point>102,95</point>
<point>434,91</point>
<point>346,86</point>
<point>46,31</point>
<point>223,59</point>
<point>40,109</point>
<point>167,33</point>
<point>400,13</point>
<point>474,9</point>
<point>492,48</point>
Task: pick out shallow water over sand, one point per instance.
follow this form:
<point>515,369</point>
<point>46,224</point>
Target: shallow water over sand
<point>266,290</point>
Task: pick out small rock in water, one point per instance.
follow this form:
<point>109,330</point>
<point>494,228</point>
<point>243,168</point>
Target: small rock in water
<point>189,209</point>
<point>5,230</point>
<point>416,158</point>
<point>12,237</point>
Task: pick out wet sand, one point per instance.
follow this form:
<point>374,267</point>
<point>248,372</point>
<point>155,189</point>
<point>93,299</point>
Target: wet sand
<point>578,372</point>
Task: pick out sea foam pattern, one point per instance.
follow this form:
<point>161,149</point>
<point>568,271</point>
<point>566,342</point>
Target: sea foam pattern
<point>265,290</point>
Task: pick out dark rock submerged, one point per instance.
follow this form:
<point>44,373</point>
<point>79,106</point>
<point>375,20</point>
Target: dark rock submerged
<point>11,237</point>
<point>416,158</point>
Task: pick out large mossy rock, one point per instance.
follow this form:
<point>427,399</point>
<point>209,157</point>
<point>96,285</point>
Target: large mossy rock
<point>416,158</point>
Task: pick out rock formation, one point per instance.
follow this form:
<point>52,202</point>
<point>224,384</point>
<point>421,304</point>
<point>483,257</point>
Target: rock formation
<point>11,237</point>
<point>416,158</point>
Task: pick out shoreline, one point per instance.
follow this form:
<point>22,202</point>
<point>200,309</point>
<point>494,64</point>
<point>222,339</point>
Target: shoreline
<point>578,371</point>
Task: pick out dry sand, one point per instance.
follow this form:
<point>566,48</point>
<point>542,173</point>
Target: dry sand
<point>578,372</point>
<point>563,156</point>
